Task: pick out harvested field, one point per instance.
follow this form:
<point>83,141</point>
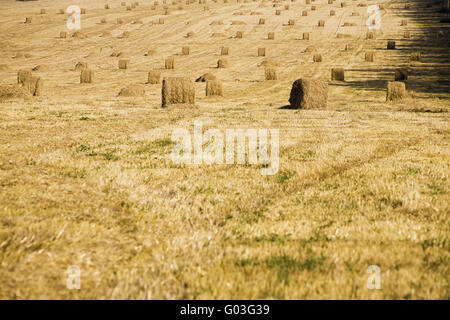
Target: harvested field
<point>87,178</point>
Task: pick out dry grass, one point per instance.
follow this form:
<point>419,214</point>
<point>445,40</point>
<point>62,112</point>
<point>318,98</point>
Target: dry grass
<point>86,177</point>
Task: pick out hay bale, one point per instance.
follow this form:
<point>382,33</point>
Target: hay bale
<point>154,77</point>
<point>63,34</point>
<point>136,90</point>
<point>107,6</point>
<point>304,13</point>
<point>239,34</point>
<point>401,74</point>
<point>317,57</point>
<point>169,63</point>
<point>343,35</point>
<point>391,45</point>
<point>370,35</point>
<point>271,36</point>
<point>214,88</point>
<point>407,34</point>
<point>119,21</point>
<point>34,85</point>
<point>313,8</point>
<point>177,90</point>
<point>61,11</point>
<point>28,19</point>
<point>103,21</point>
<point>80,66</point>
<point>190,34</point>
<point>291,22</point>
<point>343,4</point>
<point>161,21</point>
<point>205,77</point>
<point>262,21</point>
<point>224,51</point>
<point>305,35</point>
<point>308,94</point>
<point>321,23</point>
<point>261,52</point>
<point>222,63</point>
<point>23,74</point>
<point>78,35</point>
<point>87,76</point>
<point>396,91</point>
<point>185,51</point>
<point>124,63</point>
<point>150,52</point>
<point>369,56</point>
<point>337,74</point>
<point>43,11</point>
<point>83,11</point>
<point>440,34</point>
<point>416,56</point>
<point>270,73</point>
<point>332,13</point>
<point>14,91</point>
<point>125,34</point>
<point>349,47</point>
<point>310,49</point>
<point>355,14</point>
<point>404,23</point>
<point>277,12</point>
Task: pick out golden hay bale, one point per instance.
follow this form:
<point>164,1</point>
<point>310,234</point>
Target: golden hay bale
<point>185,51</point>
<point>87,76</point>
<point>262,21</point>
<point>321,23</point>
<point>216,23</point>
<point>370,35</point>
<point>343,4</point>
<point>124,63</point>
<point>34,85</point>
<point>43,11</point>
<point>305,35</point>
<point>169,63</point>
<point>416,56</point>
<point>330,1</point>
<point>270,73</point>
<point>440,34</point>
<point>391,45</point>
<point>224,51</point>
<point>308,2</point>
<point>349,47</point>
<point>161,21</point>
<point>128,8</point>
<point>308,94</point>
<point>349,24</point>
<point>154,77</point>
<point>80,66</point>
<point>304,13</point>
<point>271,35</point>
<point>407,34</point>
<point>103,21</point>
<point>355,14</point>
<point>310,49</point>
<point>286,7</point>
<point>22,75</point>
<point>291,22</point>
<point>239,34</point>
<point>278,12</point>
<point>123,4</point>
<point>125,34</point>
<point>396,91</point>
<point>135,90</point>
<point>237,22</point>
<point>190,34</point>
<point>401,74</point>
<point>313,8</point>
<point>222,63</point>
<point>338,74</point>
<point>205,77</point>
<point>214,88</point>
<point>261,52</point>
<point>83,11</point>
<point>369,56</point>
<point>332,13</point>
<point>177,90</point>
<point>61,11</point>
<point>28,19</point>
<point>63,34</point>
<point>14,91</point>
<point>78,35</point>
<point>317,57</point>
<point>107,6</point>
<point>343,35</point>
<point>404,23</point>
<point>119,21</point>
<point>150,52</point>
